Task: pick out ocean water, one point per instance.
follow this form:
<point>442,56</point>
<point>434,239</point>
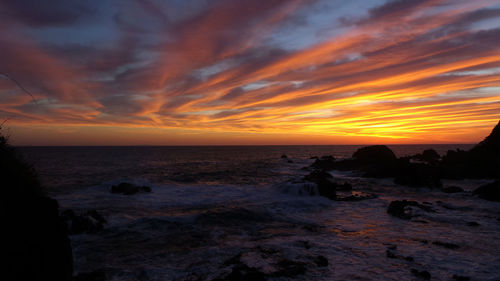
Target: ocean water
<point>210,206</point>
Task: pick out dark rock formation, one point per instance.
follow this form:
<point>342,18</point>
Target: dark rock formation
<point>374,154</point>
<point>460,278</point>
<point>321,261</point>
<point>324,163</point>
<point>446,245</point>
<point>482,161</point>
<point>452,189</point>
<point>354,196</point>
<point>429,156</point>
<point>377,161</point>
<point>98,275</point>
<point>276,267</point>
<point>417,175</point>
<point>89,222</point>
<point>401,209</point>
<point>129,189</point>
<point>325,183</point>
<point>424,274</point>
<point>473,224</point>
<point>490,191</point>
<point>33,239</point>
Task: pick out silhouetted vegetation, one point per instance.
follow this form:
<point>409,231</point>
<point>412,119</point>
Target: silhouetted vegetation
<point>17,176</point>
<point>34,240</point>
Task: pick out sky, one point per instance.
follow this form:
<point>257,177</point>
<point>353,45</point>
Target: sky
<point>249,72</point>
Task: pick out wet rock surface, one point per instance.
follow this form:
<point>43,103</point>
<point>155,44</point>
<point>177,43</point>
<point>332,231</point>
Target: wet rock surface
<point>129,189</point>
<point>452,189</point>
<point>403,209</point>
<point>89,222</point>
<point>422,274</point>
<point>490,191</point>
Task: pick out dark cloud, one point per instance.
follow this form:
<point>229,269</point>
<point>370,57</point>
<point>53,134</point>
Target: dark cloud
<point>44,13</point>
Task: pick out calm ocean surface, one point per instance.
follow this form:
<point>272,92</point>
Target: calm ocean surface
<point>62,168</point>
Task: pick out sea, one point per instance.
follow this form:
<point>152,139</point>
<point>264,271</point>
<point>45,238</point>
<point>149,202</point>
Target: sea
<point>215,208</point>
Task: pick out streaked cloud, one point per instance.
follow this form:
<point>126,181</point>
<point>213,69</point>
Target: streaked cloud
<point>344,72</point>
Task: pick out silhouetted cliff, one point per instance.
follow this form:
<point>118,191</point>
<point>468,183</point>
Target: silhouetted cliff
<point>33,239</point>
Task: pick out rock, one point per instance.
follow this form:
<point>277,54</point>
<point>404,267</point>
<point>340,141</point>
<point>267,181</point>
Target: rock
<point>325,183</point>
<point>421,274</point>
<point>321,261</point>
<point>354,196</point>
<point>284,156</point>
<point>90,222</point>
<point>374,154</point>
<point>473,223</point>
<point>98,275</point>
<point>417,175</point>
<point>446,245</point>
<point>452,189</point>
<point>460,278</point>
<point>289,268</point>
<point>129,189</point>
<point>392,255</point>
<point>34,243</point>
<point>243,273</point>
<point>483,160</point>
<point>326,162</point>
<point>429,156</point>
<point>304,244</point>
<point>490,191</point>
<point>400,208</point>
<point>271,265</point>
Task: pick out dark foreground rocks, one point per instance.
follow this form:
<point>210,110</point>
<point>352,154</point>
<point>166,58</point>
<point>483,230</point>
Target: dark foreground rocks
<point>98,275</point>
<point>324,182</point>
<point>129,189</point>
<point>424,274</point>
<point>89,222</point>
<point>452,189</point>
<point>403,209</point>
<point>425,169</point>
<point>490,191</point>
<point>272,265</point>
<point>34,243</point>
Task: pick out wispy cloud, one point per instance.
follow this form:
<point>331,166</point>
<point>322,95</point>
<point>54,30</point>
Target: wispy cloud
<point>396,71</point>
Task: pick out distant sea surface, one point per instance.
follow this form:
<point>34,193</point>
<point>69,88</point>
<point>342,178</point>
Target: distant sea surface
<point>67,168</point>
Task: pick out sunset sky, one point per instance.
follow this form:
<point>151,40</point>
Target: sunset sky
<point>194,72</point>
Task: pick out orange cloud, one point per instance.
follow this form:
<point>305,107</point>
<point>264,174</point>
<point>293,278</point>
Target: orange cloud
<point>404,72</point>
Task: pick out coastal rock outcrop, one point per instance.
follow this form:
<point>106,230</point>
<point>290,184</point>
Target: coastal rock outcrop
<point>324,182</point>
<point>129,189</point>
<point>417,174</point>
<point>402,209</point>
<point>482,161</point>
<point>34,241</point>
<point>452,189</point>
<point>429,156</point>
<point>375,154</point>
<point>89,222</point>
<point>490,191</point>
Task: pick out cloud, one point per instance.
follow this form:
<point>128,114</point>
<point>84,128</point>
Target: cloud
<point>40,14</point>
<point>401,70</point>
